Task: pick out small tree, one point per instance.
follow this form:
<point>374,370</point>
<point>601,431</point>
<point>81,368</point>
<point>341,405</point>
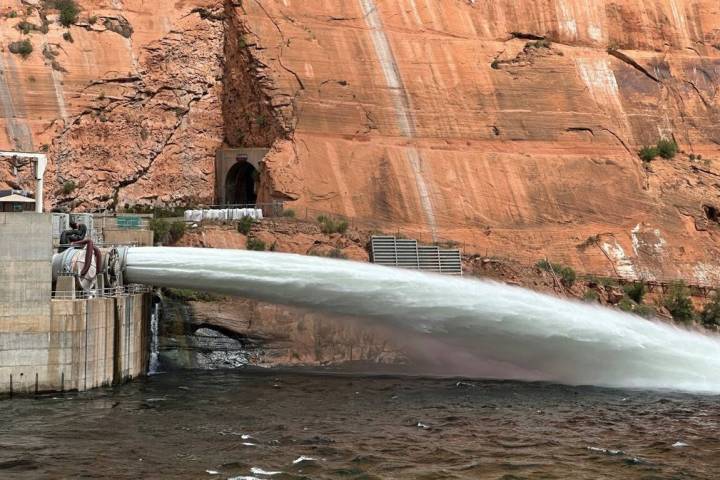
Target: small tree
<point>710,316</point>
<point>679,304</point>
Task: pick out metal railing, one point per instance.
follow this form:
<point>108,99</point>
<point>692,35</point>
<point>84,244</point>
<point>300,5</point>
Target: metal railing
<point>101,292</point>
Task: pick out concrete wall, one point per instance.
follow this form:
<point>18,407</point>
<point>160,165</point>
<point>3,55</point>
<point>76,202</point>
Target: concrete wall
<point>141,238</point>
<point>86,344</point>
<point>48,345</point>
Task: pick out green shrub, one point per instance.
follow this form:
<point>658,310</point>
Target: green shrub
<point>245,225</point>
<point>12,14</point>
<point>629,306</point>
<point>23,48</point>
<point>626,305</point>
<point>255,244</point>
<point>68,187</point>
<point>161,229</point>
<point>289,213</point>
<point>710,315</point>
<point>664,148</point>
<point>26,27</point>
<point>567,274</point>
<point>645,311</point>
<point>648,154</point>
<point>591,296</point>
<point>636,291</point>
<point>678,303</point>
<point>329,225</point>
<point>176,232</point>
<point>67,36</point>
<point>667,149</point>
<point>69,10</point>
<point>93,20</point>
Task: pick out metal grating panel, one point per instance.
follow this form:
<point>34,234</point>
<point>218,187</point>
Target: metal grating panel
<point>404,253</point>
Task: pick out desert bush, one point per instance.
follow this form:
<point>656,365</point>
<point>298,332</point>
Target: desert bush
<point>167,232</point>
<point>667,148</point>
<point>664,148</point>
<point>176,232</point>
<point>626,305</point>
<point>289,213</point>
<point>255,244</point>
<point>591,296</point>
<point>245,225</point>
<point>636,291</point>
<point>160,228</point>
<point>648,154</point>
<point>69,10</point>
<point>329,225</point>
<point>68,187</point>
<point>23,48</point>
<point>679,304</point>
<point>710,316</point>
<point>567,274</point>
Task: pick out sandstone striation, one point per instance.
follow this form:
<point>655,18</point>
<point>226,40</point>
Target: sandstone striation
<point>510,127</point>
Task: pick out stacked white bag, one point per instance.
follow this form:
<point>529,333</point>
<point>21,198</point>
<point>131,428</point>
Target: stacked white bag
<point>216,215</point>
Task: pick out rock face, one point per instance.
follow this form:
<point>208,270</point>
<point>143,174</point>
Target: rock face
<point>509,126</point>
<point>127,102</point>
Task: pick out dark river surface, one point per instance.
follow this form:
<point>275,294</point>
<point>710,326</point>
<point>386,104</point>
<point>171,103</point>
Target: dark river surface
<point>251,424</point>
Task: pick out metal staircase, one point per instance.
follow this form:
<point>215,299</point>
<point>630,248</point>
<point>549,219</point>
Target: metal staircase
<point>404,253</point>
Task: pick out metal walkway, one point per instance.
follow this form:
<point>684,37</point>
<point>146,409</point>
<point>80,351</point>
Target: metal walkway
<point>404,253</point>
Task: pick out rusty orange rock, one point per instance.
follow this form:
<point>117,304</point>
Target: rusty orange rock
<point>511,127</point>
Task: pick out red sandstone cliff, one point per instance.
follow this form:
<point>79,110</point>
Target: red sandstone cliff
<point>509,126</point>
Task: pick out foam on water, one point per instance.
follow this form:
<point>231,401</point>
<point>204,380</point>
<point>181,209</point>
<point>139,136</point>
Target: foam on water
<point>497,330</point>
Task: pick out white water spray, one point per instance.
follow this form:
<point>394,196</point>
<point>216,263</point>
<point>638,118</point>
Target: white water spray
<point>154,340</point>
<point>518,333</point>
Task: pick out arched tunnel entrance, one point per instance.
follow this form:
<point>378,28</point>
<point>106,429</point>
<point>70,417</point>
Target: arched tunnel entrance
<point>241,184</point>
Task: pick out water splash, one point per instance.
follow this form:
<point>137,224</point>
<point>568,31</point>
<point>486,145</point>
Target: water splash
<point>154,340</point>
<point>508,332</point>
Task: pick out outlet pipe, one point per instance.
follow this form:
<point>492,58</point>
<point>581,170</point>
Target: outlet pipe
<point>40,160</point>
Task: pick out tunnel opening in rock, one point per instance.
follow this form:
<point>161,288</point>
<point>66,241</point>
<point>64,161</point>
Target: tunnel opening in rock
<point>241,184</point>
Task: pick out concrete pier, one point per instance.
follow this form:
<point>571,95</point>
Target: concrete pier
<point>60,344</point>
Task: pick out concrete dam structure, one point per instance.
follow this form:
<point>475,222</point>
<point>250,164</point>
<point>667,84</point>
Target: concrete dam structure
<point>61,338</point>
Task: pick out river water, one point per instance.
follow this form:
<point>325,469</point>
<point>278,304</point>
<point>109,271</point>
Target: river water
<point>248,424</point>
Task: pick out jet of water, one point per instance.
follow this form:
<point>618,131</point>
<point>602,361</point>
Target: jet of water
<point>517,333</point>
